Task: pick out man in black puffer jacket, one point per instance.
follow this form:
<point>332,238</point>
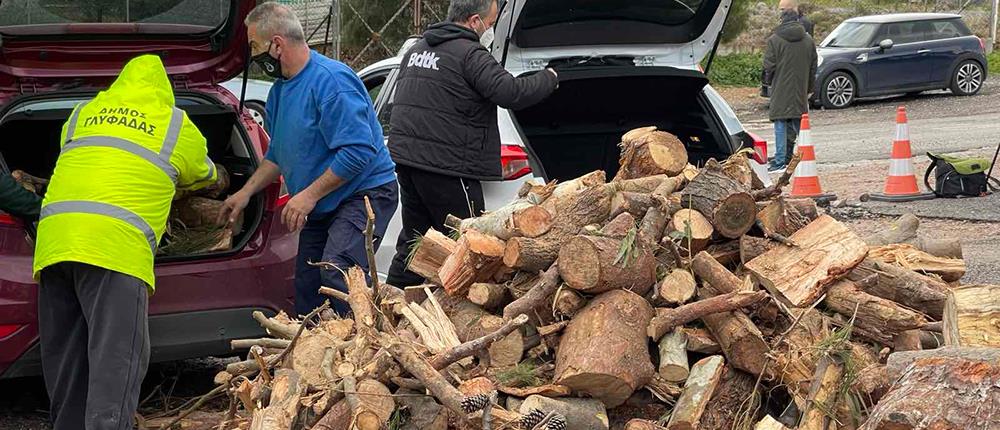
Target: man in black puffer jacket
<point>443,130</point>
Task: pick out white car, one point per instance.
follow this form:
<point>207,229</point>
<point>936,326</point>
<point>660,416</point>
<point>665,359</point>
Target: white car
<point>619,68</point>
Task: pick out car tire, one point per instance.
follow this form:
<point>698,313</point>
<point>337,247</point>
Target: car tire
<point>967,79</point>
<point>257,110</point>
<point>838,91</point>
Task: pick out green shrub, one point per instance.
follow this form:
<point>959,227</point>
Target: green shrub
<point>736,70</point>
<point>994,62</point>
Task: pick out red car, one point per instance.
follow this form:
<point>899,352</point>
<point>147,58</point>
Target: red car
<point>53,56</point>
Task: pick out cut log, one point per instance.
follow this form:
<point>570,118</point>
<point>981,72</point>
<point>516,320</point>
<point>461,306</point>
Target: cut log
<point>489,296</point>
<point>724,202</point>
<point>732,400</point>
<point>532,254</point>
<point>769,423</point>
<point>518,218</point>
<point>431,251</point>
<point>695,230</point>
<point>632,203</point>
<point>476,259</point>
<point>799,275</point>
<point>650,152</point>
<point>468,349</point>
<point>873,313</point>
<point>972,316</point>
<point>677,288</point>
<point>237,344</point>
<point>701,341</point>
<point>593,264</point>
<point>908,340</point>
<point>197,212</point>
<point>899,362</point>
<point>752,247</point>
<point>425,413</point>
<point>640,424</point>
<point>565,192</point>
<point>407,357</point>
<point>910,289</point>
<point>795,351</point>
<point>910,258</point>
<point>673,357</point>
<point>619,226</point>
<point>739,338</point>
<point>781,218</point>
<point>669,186</point>
<point>823,395</point>
<point>651,228</point>
<point>283,409</point>
<point>568,302</point>
<point>274,327</point>
<point>942,391</point>
<point>537,297</point>
<point>698,390</point>
<point>805,207</point>
<point>548,390</point>
<point>583,414</point>
<point>904,230</point>
<point>613,321</point>
<point>376,405</point>
<point>644,185</point>
<point>669,318</point>
<point>472,322</point>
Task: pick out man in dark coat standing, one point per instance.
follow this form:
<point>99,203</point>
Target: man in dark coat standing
<point>790,65</point>
<point>443,133</point>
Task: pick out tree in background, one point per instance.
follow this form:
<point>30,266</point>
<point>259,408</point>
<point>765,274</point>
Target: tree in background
<point>738,18</point>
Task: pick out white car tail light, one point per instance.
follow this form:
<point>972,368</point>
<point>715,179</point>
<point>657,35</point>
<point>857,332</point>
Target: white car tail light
<point>513,161</point>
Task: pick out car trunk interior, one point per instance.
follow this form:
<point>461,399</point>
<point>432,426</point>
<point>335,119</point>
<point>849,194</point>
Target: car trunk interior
<point>29,141</point>
<point>578,128</point>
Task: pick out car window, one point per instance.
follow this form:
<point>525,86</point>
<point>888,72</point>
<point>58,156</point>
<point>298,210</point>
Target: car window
<point>374,82</point>
<point>383,107</point>
<point>905,32</point>
<point>947,29</point>
<point>850,35</point>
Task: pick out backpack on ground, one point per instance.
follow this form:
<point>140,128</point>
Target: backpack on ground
<point>958,177</point>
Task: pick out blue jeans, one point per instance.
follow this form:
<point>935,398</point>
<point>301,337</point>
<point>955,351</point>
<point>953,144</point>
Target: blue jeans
<point>339,237</point>
<point>785,132</point>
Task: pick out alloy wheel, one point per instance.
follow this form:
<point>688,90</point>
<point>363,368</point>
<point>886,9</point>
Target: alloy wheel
<point>840,91</point>
<point>970,78</point>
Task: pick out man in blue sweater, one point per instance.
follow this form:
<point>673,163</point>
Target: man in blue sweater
<point>328,145</point>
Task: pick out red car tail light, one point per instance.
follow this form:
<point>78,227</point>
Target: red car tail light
<point>513,161</point>
<point>759,148</point>
<point>283,196</point>
<point>982,45</point>
<point>9,329</point>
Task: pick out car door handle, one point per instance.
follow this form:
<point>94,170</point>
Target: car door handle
<point>923,51</point>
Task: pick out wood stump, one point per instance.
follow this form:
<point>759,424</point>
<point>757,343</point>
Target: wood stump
<point>724,202</point>
<point>972,316</point>
<point>648,152</point>
<point>695,228</point>
<point>476,258</point>
<point>430,253</point>
<point>593,264</point>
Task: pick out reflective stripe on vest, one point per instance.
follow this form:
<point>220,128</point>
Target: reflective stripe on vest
<point>98,208</point>
<point>161,160</point>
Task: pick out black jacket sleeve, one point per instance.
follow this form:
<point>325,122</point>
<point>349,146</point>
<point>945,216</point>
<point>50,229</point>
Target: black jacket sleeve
<point>18,201</point>
<point>500,87</point>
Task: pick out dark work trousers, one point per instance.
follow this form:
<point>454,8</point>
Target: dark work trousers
<point>338,237</point>
<point>427,198</point>
<point>95,345</point>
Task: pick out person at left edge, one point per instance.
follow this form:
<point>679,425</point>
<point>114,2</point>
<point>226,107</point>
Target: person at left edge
<point>328,145</point>
<point>124,154</point>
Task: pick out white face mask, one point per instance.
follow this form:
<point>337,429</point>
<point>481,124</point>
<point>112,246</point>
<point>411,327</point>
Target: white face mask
<point>487,38</point>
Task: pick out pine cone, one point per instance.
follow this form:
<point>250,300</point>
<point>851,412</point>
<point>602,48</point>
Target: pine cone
<point>557,422</point>
<point>532,419</point>
<point>475,403</point>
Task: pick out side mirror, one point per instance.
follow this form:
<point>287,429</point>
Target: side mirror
<point>885,45</point>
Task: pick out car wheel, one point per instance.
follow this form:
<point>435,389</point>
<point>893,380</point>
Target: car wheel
<point>258,112</point>
<point>838,91</point>
<point>967,79</point>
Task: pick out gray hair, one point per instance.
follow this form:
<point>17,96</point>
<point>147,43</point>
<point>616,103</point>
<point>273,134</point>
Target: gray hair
<point>461,10</point>
<point>276,19</point>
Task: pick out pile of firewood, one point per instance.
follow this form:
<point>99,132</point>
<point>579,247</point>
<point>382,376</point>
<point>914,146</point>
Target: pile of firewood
<point>672,296</point>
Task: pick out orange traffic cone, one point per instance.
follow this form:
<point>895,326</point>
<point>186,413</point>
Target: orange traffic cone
<point>805,181</point>
<point>901,185</point>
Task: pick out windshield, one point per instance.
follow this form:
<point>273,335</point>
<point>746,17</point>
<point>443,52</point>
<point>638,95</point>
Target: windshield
<point>851,35</point>
<point>197,13</point>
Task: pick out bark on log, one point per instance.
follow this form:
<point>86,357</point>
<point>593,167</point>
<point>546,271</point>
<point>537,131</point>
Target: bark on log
<point>777,217</point>
<point>677,288</point>
<point>731,400</point>
<point>799,275</point>
<point>613,321</point>
<point>640,424</point>
<point>472,322</point>
<point>908,340</point>
<point>533,254</point>
<point>669,186</point>
<point>941,391</point>
<point>708,269</point>
<point>700,229</point>
<point>673,364</point>
<point>470,348</point>
<point>647,152</point>
<point>873,313</point>
<point>823,395</point>
<point>769,423</point>
<point>632,203</point>
<point>567,191</point>
<point>594,265</point>
<point>805,207</point>
<point>726,253</point>
<point>753,247</point>
<point>266,342</point>
<point>904,230</point>
<point>898,362</point>
<point>425,413</point>
<point>582,414</point>
<point>489,296</point>
<point>723,201</point>
<point>537,296</point>
<point>795,356</point>
<point>619,226</point>
<point>432,250</point>
<point>645,184</point>
<point>668,319</point>
<point>476,259</point>
<point>370,401</point>
<point>698,390</point>
<point>972,316</point>
<point>517,218</point>
<point>701,341</point>
<point>442,390</point>
<point>911,258</point>
<point>275,328</point>
<point>902,286</point>
<point>568,302</point>
<point>282,411</point>
<point>651,228</point>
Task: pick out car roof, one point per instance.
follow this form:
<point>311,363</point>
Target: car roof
<point>902,17</point>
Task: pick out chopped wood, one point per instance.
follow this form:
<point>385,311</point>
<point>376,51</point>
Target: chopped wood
<point>669,186</point>
<point>635,204</point>
<point>282,410</point>
<point>677,288</point>
<point>898,362</point>
<point>640,424</point>
<point>779,217</point>
<point>694,229</point>
<point>732,401</point>
<point>662,389</point>
<point>910,289</point>
<point>582,414</point>
<point>488,295</point>
<point>651,228</point>
<point>673,364</point>
<point>668,319</point>
<point>701,341</point>
<point>698,390</point>
<point>907,340</point>
<point>424,412</point>
<point>769,423</point>
<point>727,253</point>
<point>952,390</point>
<point>565,192</point>
<point>197,212</point>
<point>726,203</point>
<point>407,357</point>
<point>264,342</point>
<point>822,395</point>
<point>639,185</point>
<point>472,322</point>
<point>752,247</point>
<point>972,316</point>
<point>544,288</point>
<point>646,152</point>
<point>613,321</point>
<point>431,251</point>
<point>909,257</point>
<point>518,218</point>
<point>476,259</point>
<point>370,401</point>
<point>904,230</point>
<point>619,226</point>
<point>593,264</point>
<point>798,276</point>
<point>532,254</point>
<point>872,312</point>
<point>592,205</point>
<point>470,348</point>
<point>274,327</point>
<point>547,390</point>
<point>568,302</point>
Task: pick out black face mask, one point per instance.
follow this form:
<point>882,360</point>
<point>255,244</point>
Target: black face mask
<point>270,65</point>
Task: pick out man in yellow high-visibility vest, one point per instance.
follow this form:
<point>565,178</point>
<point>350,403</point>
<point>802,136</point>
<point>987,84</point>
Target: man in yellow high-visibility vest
<point>124,153</point>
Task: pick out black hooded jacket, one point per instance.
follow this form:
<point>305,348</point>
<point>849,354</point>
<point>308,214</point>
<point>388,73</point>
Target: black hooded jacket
<point>444,110</point>
<point>790,65</point>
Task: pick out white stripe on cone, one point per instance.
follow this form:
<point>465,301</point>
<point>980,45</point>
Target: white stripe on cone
<point>805,138</point>
<point>806,168</point>
<point>902,131</point>
<point>900,167</point>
